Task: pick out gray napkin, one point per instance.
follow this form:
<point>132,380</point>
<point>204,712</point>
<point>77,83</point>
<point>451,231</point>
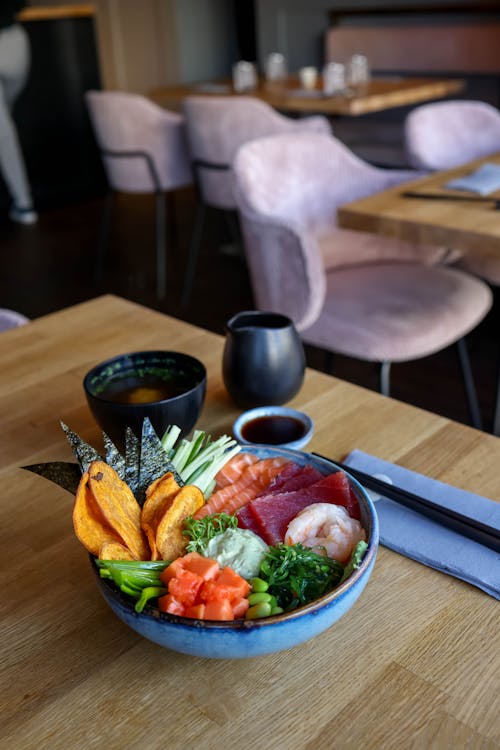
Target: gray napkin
<point>485,180</point>
<point>427,542</point>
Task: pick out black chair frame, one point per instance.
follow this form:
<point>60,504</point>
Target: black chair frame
<point>161,252</point>
<point>199,223</point>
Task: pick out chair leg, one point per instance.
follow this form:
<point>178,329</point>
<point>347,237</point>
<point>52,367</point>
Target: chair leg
<point>385,378</point>
<point>470,388</point>
<point>193,250</point>
<point>102,243</point>
<point>233,226</point>
<point>496,417</point>
<point>329,362</point>
<point>161,249</point>
<point>172,221</point>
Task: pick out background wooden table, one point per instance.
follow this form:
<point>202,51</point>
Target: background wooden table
<point>473,227</point>
<point>378,95</point>
<point>415,662</point>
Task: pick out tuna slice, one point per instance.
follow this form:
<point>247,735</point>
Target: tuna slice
<point>273,512</point>
<point>293,477</point>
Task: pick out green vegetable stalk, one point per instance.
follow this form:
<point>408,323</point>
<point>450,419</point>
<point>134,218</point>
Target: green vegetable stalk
<point>198,460</point>
<point>139,579</point>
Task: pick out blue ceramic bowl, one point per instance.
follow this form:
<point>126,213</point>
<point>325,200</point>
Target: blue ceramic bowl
<point>274,425</point>
<point>246,638</point>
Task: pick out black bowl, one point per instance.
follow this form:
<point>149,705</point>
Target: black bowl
<point>167,387</point>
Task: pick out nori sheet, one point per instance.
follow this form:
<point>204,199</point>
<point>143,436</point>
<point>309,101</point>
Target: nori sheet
<point>154,462</point>
<point>84,453</point>
<point>144,461</point>
<point>132,460</point>
<point>113,456</point>
<point>67,475</point>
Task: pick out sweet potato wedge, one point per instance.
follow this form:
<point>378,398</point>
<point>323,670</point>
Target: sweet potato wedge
<point>119,508</point>
<point>159,497</point>
<point>114,551</point>
<point>89,524</point>
<point>170,541</point>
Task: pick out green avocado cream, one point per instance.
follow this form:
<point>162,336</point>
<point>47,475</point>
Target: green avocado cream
<point>239,549</point>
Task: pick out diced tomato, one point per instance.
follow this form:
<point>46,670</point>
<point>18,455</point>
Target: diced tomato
<point>171,570</point>
<point>234,583</point>
<point>169,603</point>
<point>202,566</point>
<point>185,586</point>
<point>197,611</point>
<point>239,607</point>
<point>218,610</point>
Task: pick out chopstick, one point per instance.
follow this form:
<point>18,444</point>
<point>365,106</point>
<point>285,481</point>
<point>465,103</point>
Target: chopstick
<point>443,197</point>
<point>479,532</point>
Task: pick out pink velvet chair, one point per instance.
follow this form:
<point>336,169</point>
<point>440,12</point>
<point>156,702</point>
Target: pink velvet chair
<point>217,126</point>
<point>144,150</point>
<point>443,135</point>
<point>11,319</point>
<point>367,297</point>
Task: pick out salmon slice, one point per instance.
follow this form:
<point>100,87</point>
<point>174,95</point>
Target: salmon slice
<point>232,470</point>
<point>252,481</point>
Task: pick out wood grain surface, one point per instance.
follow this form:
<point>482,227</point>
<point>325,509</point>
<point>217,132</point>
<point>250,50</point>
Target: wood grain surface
<point>378,95</point>
<point>414,663</point>
<point>52,12</point>
<point>470,226</point>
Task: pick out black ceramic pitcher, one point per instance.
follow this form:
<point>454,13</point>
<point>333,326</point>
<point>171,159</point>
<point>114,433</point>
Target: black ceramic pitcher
<point>263,360</point>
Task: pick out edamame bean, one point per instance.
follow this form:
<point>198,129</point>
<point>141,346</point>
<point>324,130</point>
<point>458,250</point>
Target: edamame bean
<point>259,585</point>
<point>258,597</point>
<point>277,610</point>
<point>263,609</point>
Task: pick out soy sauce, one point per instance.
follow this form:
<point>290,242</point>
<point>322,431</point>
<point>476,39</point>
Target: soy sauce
<point>273,430</point>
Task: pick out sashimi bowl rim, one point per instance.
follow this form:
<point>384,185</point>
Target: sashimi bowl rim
<point>152,612</point>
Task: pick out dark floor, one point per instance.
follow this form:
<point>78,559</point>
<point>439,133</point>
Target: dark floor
<point>51,265</point>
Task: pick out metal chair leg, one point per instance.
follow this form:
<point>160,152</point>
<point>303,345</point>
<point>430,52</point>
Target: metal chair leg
<point>193,250</point>
<point>329,362</point>
<point>470,388</point>
<point>385,378</point>
<point>161,247</point>
<point>173,241</point>
<point>233,226</point>
<point>496,417</point>
<point>102,242</point>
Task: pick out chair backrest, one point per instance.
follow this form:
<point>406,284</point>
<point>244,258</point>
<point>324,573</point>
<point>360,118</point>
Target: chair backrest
<point>127,124</point>
<point>218,125</point>
<point>288,188</point>
<point>302,178</point>
<point>443,135</point>
<point>11,319</point>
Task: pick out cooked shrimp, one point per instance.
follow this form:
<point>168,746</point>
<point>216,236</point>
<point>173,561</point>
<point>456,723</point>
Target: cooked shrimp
<point>326,525</point>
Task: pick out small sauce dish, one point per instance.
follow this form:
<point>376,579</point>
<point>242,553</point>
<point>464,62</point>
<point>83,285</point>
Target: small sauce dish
<point>274,425</point>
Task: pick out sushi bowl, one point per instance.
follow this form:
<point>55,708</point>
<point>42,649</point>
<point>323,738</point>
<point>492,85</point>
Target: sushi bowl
<point>243,638</point>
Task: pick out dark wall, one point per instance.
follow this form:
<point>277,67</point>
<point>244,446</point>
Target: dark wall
<point>244,13</point>
<point>52,121</point>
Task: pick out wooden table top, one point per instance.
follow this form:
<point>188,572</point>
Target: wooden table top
<point>465,225</point>
<point>51,12</point>
<point>416,661</point>
<point>287,96</point>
